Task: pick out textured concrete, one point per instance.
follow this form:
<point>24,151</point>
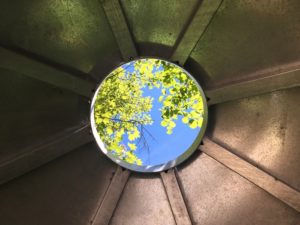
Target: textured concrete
<point>72,33</point>
<point>65,191</point>
<point>216,195</point>
<point>243,38</point>
<point>144,201</point>
<point>263,130</point>
<point>32,111</point>
<point>157,22</point>
<point>246,36</point>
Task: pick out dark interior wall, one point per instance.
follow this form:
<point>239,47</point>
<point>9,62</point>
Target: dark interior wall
<point>32,111</point>
<point>72,33</point>
<point>244,37</point>
<point>65,191</point>
<point>248,36</point>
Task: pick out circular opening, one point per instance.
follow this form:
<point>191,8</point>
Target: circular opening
<point>148,115</point>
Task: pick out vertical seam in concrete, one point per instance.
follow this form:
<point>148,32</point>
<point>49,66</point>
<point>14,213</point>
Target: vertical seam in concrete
<point>183,194</point>
<point>194,29</point>
<point>120,29</point>
<point>111,198</point>
<point>175,198</point>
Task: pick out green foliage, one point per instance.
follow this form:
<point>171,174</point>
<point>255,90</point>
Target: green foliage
<point>121,109</point>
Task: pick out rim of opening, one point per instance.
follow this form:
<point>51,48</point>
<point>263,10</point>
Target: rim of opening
<point>151,168</point>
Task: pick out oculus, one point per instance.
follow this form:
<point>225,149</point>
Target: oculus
<point>148,115</point>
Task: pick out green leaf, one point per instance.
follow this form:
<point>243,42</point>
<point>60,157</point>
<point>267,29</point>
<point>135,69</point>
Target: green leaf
<point>139,162</point>
<point>185,119</point>
<point>193,125</point>
<point>98,120</point>
<point>131,137</point>
<point>109,131</point>
<point>167,103</point>
<point>164,123</point>
<point>200,122</point>
<point>169,131</point>
<point>172,124</point>
<point>191,121</point>
<point>132,146</point>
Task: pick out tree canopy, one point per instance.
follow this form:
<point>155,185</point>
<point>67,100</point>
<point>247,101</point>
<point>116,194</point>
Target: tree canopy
<point>122,112</point>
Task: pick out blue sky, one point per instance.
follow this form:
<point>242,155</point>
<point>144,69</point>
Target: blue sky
<point>164,147</point>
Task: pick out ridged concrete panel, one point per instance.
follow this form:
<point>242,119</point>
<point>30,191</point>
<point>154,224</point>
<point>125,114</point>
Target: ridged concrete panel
<point>263,130</point>
<point>216,195</point>
<point>247,36</point>
<point>72,33</point>
<point>66,191</point>
<point>244,41</point>
<point>32,111</point>
<point>155,25</point>
<point>144,201</point>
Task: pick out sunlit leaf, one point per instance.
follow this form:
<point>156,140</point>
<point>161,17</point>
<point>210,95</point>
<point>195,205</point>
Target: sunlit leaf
<point>185,119</point>
<point>172,124</point>
<point>164,123</point>
<point>109,131</point>
<point>132,146</point>
<point>193,125</point>
<point>169,131</point>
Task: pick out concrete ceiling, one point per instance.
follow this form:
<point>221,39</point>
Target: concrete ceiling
<point>246,55</point>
